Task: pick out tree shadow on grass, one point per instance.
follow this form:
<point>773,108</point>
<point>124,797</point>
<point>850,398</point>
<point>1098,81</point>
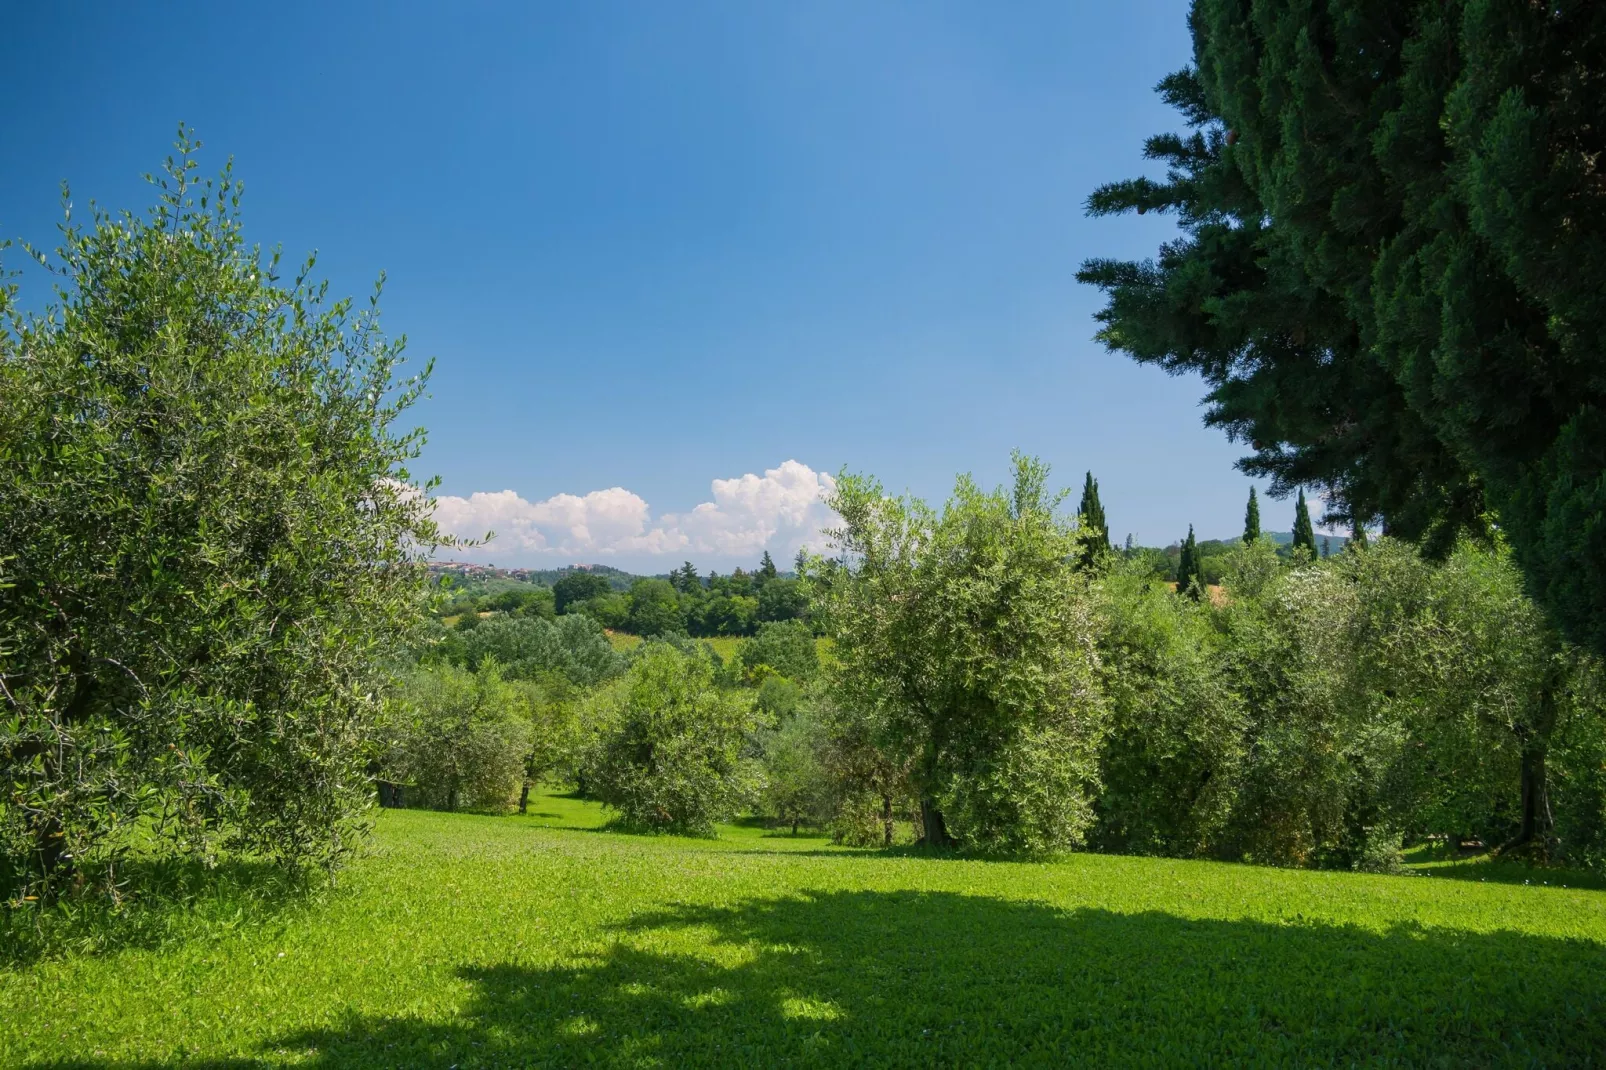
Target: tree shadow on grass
<point>919,979</point>
<point>171,899</point>
<point>1446,862</point>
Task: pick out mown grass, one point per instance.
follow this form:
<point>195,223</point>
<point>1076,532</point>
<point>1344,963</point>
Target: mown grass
<point>544,940</point>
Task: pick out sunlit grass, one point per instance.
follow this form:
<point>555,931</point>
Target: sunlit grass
<point>545,940</point>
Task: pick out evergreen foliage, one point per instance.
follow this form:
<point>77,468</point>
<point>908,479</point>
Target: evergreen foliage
<point>1095,530</point>
<point>1390,272</point>
<point>577,588</point>
<point>1252,517</point>
<point>1190,569</point>
<point>1304,531</point>
<point>766,570</point>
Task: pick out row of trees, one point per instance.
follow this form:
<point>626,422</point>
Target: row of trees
<point>684,603</point>
<point>488,713</point>
<point>994,686</point>
<point>1321,711</point>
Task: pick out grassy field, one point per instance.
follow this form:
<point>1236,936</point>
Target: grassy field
<point>725,646</point>
<point>467,941</point>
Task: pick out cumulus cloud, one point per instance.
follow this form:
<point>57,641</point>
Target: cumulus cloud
<point>779,511</point>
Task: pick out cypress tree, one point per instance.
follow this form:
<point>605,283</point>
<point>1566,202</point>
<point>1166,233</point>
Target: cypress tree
<point>1093,523</point>
<point>1190,571</point>
<point>1395,209</point>
<point>1252,518</point>
<point>1357,538</point>
<point>1304,532</point>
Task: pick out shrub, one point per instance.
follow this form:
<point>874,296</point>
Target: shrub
<point>1172,760</point>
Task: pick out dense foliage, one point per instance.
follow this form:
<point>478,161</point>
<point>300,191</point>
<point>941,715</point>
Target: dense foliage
<point>682,603</point>
<point>670,744</point>
<point>573,646</point>
<point>213,544</point>
<point>1391,274</point>
<point>1329,712</point>
<point>460,738</point>
<point>969,634</point>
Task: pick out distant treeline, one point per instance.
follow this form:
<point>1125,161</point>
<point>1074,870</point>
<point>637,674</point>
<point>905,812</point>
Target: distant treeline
<point>683,602</point>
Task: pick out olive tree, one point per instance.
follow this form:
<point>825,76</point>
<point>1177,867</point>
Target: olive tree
<point>1174,753</point>
<point>970,634</point>
<point>462,739</point>
<point>214,543</point>
<point>797,789</point>
<point>573,646</point>
<point>669,744</point>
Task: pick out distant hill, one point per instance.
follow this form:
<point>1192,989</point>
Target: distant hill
<point>1281,538</point>
<point>470,578</point>
<point>1336,542</point>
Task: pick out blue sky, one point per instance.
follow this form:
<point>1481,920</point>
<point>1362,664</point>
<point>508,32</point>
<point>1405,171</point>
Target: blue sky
<point>652,246</point>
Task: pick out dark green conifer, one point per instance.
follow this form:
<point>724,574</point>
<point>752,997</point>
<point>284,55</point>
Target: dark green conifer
<point>1304,532</point>
<point>1389,274</point>
<point>1093,523</point>
<point>1190,570</point>
<point>1252,518</point>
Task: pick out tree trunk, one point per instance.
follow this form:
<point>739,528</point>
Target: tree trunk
<point>451,800</point>
<point>886,820</point>
<point>936,828</point>
<point>1535,739</point>
<point>524,797</point>
<point>1533,793</point>
<point>794,826</point>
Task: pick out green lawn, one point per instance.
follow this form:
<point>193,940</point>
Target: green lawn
<point>479,941</point>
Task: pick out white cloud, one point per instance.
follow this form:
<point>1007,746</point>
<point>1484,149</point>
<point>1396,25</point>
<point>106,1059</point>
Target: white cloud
<point>779,511</point>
